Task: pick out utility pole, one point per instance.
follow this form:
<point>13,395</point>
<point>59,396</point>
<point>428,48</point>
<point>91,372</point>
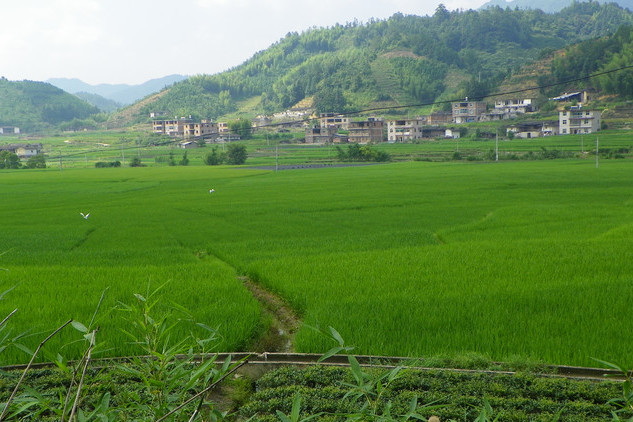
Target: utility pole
<point>497,146</point>
<point>597,154</point>
<point>277,157</point>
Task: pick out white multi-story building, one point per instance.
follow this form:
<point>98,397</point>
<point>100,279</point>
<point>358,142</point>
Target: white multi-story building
<point>514,106</point>
<point>405,130</point>
<point>577,120</point>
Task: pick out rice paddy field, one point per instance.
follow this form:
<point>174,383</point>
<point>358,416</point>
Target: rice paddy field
<point>518,259</point>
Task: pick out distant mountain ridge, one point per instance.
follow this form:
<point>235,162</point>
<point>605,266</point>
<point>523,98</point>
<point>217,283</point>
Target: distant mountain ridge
<point>121,93</point>
<point>548,5</point>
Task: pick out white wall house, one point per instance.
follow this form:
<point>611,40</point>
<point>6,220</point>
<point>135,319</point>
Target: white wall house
<point>577,120</point>
<point>514,106</point>
<point>9,130</point>
<point>405,129</point>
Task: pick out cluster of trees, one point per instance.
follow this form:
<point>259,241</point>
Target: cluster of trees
<point>105,164</point>
<point>10,160</point>
<point>235,155</point>
<point>347,67</point>
<point>356,152</point>
<point>241,127</point>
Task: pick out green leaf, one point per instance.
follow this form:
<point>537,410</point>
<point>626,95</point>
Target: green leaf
<point>283,417</point>
<point>330,353</point>
<point>611,365</point>
<point>337,337</point>
<point>24,349</point>
<point>357,371</point>
<point>296,407</point>
<point>79,326</point>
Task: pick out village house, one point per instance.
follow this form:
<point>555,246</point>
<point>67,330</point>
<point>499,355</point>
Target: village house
<point>366,131</point>
<point>9,130</point>
<point>228,137</point>
<point>204,129</point>
<point>320,135</point>
<point>467,111</point>
<point>185,127</point>
<point>528,130</point>
<point>404,130</point>
<point>514,106</point>
<point>577,120</point>
<point>223,127</point>
<point>450,133</point>
<point>173,127</point>
<point>551,128</point>
<point>413,129</point>
<point>580,97</point>
<point>23,150</point>
<point>298,113</point>
<point>439,118</point>
<point>333,120</point>
<point>187,144</point>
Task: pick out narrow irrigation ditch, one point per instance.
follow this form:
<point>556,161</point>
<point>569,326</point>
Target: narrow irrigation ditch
<point>284,322</point>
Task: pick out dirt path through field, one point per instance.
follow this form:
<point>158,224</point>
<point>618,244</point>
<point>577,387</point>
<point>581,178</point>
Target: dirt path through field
<point>284,321</point>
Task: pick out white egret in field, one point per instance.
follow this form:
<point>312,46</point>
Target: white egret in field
<point>211,190</point>
<point>85,216</point>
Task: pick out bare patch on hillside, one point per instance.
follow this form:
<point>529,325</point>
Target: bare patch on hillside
<point>126,116</point>
<point>394,54</point>
<point>527,77</point>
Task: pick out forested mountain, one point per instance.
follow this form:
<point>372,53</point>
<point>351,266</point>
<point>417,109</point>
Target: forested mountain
<point>34,105</point>
<point>598,56</point>
<point>405,59</point>
<point>548,5</point>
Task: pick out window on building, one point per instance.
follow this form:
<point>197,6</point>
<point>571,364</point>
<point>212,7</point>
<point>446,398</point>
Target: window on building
<point>564,122</point>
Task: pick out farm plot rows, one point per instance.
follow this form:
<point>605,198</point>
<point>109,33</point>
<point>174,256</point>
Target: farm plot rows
<point>528,259</point>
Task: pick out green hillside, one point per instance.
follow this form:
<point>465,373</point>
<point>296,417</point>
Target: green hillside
<point>36,105</point>
<point>604,56</point>
<point>401,60</point>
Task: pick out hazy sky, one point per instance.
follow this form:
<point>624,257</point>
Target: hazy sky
<point>132,41</point>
